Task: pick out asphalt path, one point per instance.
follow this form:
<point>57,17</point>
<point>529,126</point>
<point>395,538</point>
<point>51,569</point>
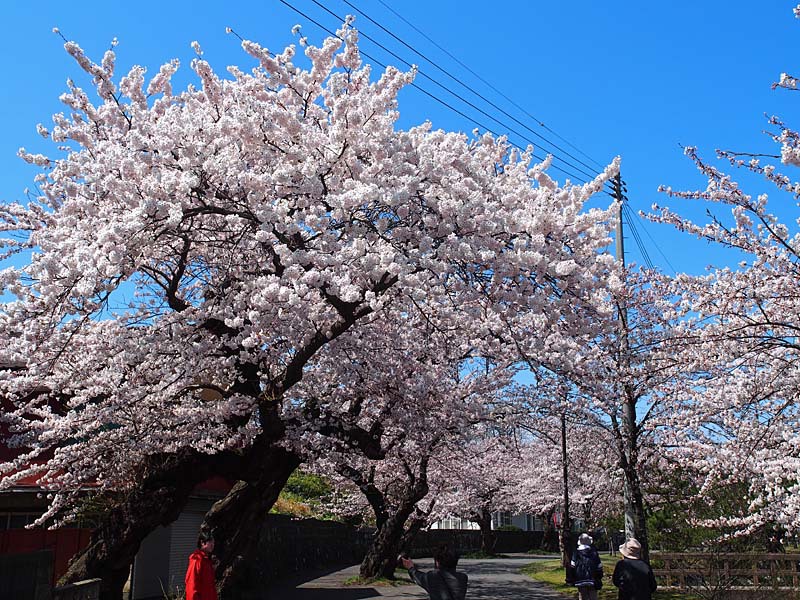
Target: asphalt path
<point>495,579</point>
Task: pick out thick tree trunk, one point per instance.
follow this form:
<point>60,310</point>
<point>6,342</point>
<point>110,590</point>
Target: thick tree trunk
<point>237,519</point>
<point>381,558</point>
<point>550,535</point>
<point>635,517</point>
<point>167,481</point>
<point>391,534</point>
<point>411,531</point>
<point>488,536</point>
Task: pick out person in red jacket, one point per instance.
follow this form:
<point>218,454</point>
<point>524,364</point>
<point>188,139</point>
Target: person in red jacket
<point>200,574</point>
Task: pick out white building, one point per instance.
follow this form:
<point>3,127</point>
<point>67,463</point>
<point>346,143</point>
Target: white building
<point>525,522</point>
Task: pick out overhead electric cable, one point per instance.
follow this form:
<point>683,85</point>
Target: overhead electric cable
<point>467,102</point>
<point>635,215</point>
<point>636,236</point>
<point>464,85</point>
<point>433,96</point>
<point>489,85</point>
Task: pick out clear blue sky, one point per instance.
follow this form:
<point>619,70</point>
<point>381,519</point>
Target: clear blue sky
<point>629,78</point>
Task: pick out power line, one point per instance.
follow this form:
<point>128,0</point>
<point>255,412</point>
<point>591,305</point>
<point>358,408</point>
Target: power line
<point>631,216</point>
<point>636,237</point>
<point>489,85</point>
<point>432,96</point>
<point>634,215</point>
<point>464,100</point>
<point>465,86</point>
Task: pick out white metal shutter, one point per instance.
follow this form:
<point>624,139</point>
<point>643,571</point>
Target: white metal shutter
<point>183,543</point>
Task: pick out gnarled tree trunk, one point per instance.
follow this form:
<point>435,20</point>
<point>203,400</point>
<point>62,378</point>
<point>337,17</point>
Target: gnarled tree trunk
<point>415,524</point>
<point>237,519</point>
<point>381,557</point>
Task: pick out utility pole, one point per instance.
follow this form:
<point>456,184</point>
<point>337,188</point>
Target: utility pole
<point>635,525</point>
<point>628,410</point>
<point>619,189</point>
<point>566,520</point>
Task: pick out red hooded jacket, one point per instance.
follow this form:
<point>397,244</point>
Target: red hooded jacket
<point>200,577</point>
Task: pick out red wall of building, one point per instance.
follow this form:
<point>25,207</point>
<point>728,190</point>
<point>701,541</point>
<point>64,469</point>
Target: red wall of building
<point>64,543</point>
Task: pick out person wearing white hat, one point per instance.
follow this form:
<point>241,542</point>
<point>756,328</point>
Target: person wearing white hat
<point>632,575</point>
<point>588,568</point>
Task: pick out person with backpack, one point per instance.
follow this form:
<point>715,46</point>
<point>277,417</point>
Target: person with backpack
<point>587,568</point>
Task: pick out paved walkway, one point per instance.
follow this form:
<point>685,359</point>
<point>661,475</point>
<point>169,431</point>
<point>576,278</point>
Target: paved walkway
<point>495,579</point>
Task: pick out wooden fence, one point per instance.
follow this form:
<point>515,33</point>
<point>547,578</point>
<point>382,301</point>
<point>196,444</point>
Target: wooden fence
<point>732,571</point>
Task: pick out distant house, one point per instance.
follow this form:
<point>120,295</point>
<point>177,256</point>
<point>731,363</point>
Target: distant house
<point>499,519</point>
<point>525,522</point>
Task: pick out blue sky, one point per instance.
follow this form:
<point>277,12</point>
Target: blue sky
<point>630,78</point>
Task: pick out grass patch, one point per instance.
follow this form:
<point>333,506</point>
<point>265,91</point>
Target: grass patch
<point>480,554</point>
<point>401,578</point>
<point>551,572</point>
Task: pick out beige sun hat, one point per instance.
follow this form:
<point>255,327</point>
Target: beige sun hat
<point>631,549</point>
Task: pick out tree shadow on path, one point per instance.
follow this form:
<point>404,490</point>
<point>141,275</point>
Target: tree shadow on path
<point>322,594</point>
<point>484,590</point>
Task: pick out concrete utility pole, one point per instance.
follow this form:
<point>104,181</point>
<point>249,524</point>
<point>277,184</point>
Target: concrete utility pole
<point>635,526</point>
<point>619,190</point>
<point>628,408</point>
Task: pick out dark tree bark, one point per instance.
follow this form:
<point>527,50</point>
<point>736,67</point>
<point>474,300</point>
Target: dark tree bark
<point>236,520</point>
<point>413,527</point>
<point>628,443</point>
<point>550,535</point>
<point>381,557</point>
<point>488,536</point>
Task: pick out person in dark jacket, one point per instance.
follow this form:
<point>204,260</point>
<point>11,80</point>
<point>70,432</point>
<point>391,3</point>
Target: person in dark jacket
<point>444,582</point>
<point>200,574</point>
<point>588,568</point>
<point>632,575</point>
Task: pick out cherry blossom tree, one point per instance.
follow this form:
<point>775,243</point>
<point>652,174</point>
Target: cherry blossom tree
<point>189,253</point>
<point>567,455</point>
<point>479,477</point>
<point>615,373</point>
<point>742,322</point>
<point>414,388</point>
